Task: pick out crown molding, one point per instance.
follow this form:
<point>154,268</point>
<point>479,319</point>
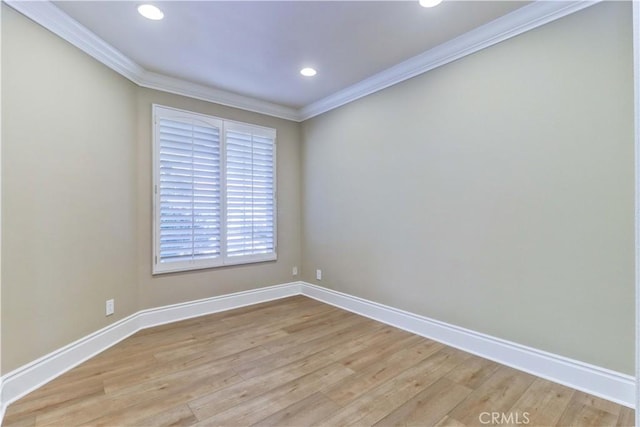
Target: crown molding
<point>165,83</point>
<point>517,22</point>
<point>55,20</point>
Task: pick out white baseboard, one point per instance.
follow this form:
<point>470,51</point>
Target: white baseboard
<point>601,382</point>
<point>3,406</point>
<point>27,378</point>
<point>610,385</point>
<point>173,313</point>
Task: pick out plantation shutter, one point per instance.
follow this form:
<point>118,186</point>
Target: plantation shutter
<point>250,196</point>
<point>214,192</point>
<point>189,192</point>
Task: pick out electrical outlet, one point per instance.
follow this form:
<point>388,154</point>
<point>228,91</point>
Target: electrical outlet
<point>110,307</point>
<point>319,274</point>
<point>294,271</point>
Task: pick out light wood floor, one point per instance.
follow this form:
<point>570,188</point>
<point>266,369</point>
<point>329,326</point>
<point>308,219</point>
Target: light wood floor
<point>298,362</point>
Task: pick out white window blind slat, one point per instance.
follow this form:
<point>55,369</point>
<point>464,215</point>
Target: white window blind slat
<point>189,190</point>
<point>214,192</point>
<point>250,193</point>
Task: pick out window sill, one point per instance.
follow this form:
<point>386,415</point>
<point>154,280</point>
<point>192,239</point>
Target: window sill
<point>159,269</point>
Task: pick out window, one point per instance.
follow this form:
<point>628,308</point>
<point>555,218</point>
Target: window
<point>214,191</point>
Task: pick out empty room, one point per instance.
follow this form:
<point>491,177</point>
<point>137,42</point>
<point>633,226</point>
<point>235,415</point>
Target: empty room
<point>331,213</point>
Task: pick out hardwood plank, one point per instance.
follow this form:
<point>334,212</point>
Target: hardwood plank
<point>19,420</point>
<point>497,394</point>
<point>316,331</point>
<point>579,413</point>
<point>395,341</point>
<point>48,399</point>
<point>224,344</point>
<point>135,407</point>
<point>291,315</point>
<point>136,346</point>
<point>98,369</point>
<point>543,402</point>
<point>429,406</point>
<point>446,421</point>
<point>119,409</point>
<point>276,399</point>
<point>597,403</point>
<point>211,363</point>
<point>356,337</point>
<point>162,381</point>
<point>473,372</point>
<point>274,311</point>
<point>626,418</point>
<point>377,373</point>
<point>374,405</point>
<point>221,400</point>
<point>302,413</point>
<point>328,318</point>
<point>179,415</point>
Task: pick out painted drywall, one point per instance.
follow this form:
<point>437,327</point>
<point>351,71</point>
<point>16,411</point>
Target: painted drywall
<point>495,193</point>
<point>68,192</point>
<point>172,288</point>
<point>76,197</point>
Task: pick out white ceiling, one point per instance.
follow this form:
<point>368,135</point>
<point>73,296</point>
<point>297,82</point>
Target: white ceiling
<point>256,48</point>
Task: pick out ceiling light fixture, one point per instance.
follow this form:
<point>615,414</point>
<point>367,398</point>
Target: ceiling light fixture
<point>430,3</point>
<point>308,72</point>
<point>149,11</point>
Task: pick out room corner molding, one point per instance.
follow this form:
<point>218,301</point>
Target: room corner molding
<point>515,23</point>
<point>46,14</point>
<point>534,15</point>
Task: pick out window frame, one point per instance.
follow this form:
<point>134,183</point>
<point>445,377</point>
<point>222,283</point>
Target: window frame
<point>161,111</point>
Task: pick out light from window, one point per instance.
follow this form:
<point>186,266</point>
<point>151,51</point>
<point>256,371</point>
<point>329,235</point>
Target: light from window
<point>214,192</point>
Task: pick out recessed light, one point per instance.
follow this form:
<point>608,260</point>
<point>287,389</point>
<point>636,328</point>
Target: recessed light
<point>430,3</point>
<point>308,72</point>
<point>149,11</point>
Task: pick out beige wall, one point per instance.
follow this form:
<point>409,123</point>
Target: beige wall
<point>495,193</point>
<point>68,192</point>
<point>177,287</point>
<point>76,197</point>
